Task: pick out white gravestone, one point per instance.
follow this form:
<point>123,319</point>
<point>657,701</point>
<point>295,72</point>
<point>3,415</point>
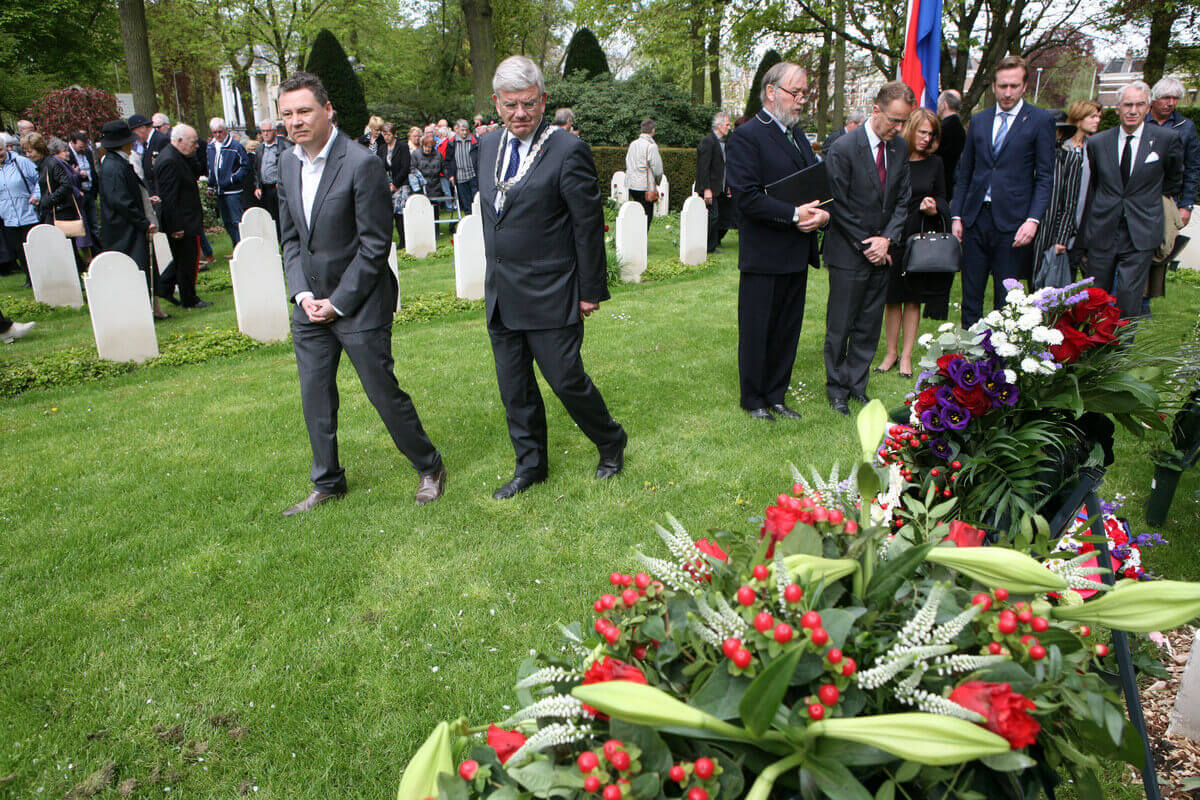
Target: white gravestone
<point>394,265</point>
<point>1189,257</point>
<point>631,241</point>
<point>617,191</point>
<point>119,303</point>
<point>259,222</point>
<point>1185,716</point>
<point>693,231</point>
<point>162,251</point>
<point>52,271</point>
<point>663,204</point>
<point>420,238</point>
<point>259,294</point>
<point>469,260</point>
<point>475,207</point>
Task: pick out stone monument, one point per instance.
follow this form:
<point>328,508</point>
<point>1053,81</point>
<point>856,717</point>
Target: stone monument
<point>693,231</point>
<point>259,222</point>
<point>420,236</point>
<point>259,295</point>
<point>119,303</point>
<point>52,271</point>
<point>469,260</point>
<point>631,241</point>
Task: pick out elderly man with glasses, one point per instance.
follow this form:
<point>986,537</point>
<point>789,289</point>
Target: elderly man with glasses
<point>1164,98</point>
<point>229,168</point>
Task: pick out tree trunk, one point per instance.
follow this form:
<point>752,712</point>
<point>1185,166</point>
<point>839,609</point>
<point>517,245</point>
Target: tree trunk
<point>696,42</point>
<point>137,55</point>
<point>823,88</point>
<point>482,38</point>
<point>1162,19</point>
<point>242,81</point>
<point>839,71</point>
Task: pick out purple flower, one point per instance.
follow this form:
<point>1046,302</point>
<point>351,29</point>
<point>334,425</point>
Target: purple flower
<point>932,421</point>
<point>1007,394</point>
<point>945,396</point>
<point>1011,283</point>
<point>963,373</point>
<point>955,417</point>
<point>985,341</point>
<point>940,448</point>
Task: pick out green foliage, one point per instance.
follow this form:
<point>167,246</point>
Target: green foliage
<point>585,58</point>
<point>753,100</point>
<point>679,165</point>
<point>24,309</point>
<point>608,111</point>
<point>1110,119</point>
<point>328,61</point>
<point>425,307</point>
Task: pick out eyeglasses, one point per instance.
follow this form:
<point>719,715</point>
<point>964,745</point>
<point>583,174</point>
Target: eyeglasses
<point>528,105</point>
<point>796,94</point>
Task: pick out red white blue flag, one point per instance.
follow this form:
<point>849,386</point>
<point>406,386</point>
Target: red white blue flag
<point>923,50</point>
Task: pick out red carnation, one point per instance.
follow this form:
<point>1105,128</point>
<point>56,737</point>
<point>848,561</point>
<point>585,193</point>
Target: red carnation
<point>1005,710</point>
<point>505,743</point>
<point>974,399</point>
<point>926,399</point>
<point>1073,344</point>
<point>610,669</point>
<point>964,535</point>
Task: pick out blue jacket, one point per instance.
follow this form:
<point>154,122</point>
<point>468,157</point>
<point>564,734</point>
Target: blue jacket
<point>18,182</point>
<point>1020,176</point>
<point>234,169</point>
<point>1191,155</point>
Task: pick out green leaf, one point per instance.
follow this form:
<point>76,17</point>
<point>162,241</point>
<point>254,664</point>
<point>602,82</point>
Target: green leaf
<point>1114,723</point>
<point>908,770</point>
<point>887,580</point>
<point>1087,785</point>
<point>837,622</point>
<point>872,422</point>
<point>887,791</point>
<point>803,540</point>
<point>452,787</point>
<point>648,784</point>
<point>766,692</point>
<point>654,628</point>
<point>721,693</point>
<point>835,779</point>
<point>540,776</point>
<point>1012,761</point>
<point>656,756</point>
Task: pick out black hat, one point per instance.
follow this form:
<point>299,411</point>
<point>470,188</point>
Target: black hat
<point>1064,128</point>
<point>116,134</point>
<point>137,121</point>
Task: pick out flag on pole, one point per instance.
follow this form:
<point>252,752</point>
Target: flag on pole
<point>923,50</point>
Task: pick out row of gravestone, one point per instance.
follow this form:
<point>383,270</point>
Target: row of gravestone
<point>618,192</point>
<point>631,237</point>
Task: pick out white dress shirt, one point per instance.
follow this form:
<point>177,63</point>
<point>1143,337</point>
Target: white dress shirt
<point>523,149</point>
<point>1137,140</point>
<point>311,170</point>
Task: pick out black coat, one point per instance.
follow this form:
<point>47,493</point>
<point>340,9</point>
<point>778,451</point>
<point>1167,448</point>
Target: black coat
<point>950,147</point>
<point>401,163</point>
<point>710,166</point>
<point>181,209</point>
<point>123,221</point>
<point>157,142</point>
<point>86,157</point>
<point>861,207</point>
<point>758,154</point>
<point>545,250</point>
<point>58,190</point>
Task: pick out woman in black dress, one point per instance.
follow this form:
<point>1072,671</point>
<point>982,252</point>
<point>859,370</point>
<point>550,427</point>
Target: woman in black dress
<point>928,210</point>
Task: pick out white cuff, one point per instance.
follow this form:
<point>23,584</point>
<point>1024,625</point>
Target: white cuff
<point>301,297</point>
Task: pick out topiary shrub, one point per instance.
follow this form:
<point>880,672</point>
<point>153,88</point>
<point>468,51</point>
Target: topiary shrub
<point>585,58</point>
<point>64,111</point>
<point>327,60</point>
<point>754,99</point>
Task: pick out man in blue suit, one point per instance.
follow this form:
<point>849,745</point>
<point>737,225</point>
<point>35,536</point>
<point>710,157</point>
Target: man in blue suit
<point>1002,188</point>
<point>229,168</point>
<point>776,241</point>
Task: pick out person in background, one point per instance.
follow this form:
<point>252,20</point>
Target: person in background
<point>710,179</point>
<point>372,137</point>
<point>24,126</point>
<point>563,118</point>
<point>266,168</point>
<point>20,195</point>
<point>228,169</point>
<point>397,161</point>
<point>160,137</point>
<point>954,135</point>
<point>11,331</point>
<point>928,210</point>
<point>1069,192</point>
<point>182,216</point>
<point>85,164</point>
<point>853,120</point>
<point>427,164</point>
<point>250,190</point>
<point>414,139</point>
<point>644,169</point>
<point>70,208</point>
<point>56,182</point>
<point>461,164</point>
<point>1164,98</point>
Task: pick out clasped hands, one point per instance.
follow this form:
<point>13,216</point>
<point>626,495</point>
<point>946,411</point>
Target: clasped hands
<point>318,311</point>
<point>877,250</point>
<point>812,216</point>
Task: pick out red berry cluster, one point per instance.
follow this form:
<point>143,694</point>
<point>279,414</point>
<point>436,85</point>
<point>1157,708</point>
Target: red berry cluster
<point>635,590</point>
<point>788,510</point>
<point>1017,625</point>
<point>704,769</point>
<point>609,777</point>
<point>901,445</point>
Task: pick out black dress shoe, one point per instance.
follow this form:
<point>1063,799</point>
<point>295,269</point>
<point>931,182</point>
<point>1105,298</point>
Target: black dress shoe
<point>906,374</point>
<point>170,298</point>
<point>860,398</point>
<point>761,413</point>
<point>782,410</point>
<point>611,465</point>
<point>518,484</point>
<point>200,304</point>
<point>315,499</point>
<point>840,407</point>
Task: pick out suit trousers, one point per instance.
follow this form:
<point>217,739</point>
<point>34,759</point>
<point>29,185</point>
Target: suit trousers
<point>1122,270</point>
<point>986,249</point>
<point>556,351</point>
<point>720,218</point>
<point>770,315</point>
<point>87,205</point>
<point>270,201</point>
<point>185,257</point>
<point>14,238</point>
<point>318,351</point>
<point>853,316</point>
<point>639,196</point>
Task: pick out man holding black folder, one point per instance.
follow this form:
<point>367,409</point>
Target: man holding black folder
<point>777,238</point>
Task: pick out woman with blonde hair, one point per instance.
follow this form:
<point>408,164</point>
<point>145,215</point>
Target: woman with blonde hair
<point>1068,194</point>
<point>372,137</point>
<point>928,210</point>
<point>414,138</point>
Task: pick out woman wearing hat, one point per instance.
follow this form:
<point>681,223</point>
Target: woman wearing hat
<point>1056,234</point>
<point>125,227</point>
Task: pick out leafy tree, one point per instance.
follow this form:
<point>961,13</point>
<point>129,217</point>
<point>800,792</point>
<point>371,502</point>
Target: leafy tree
<point>609,111</point>
<point>481,37</point>
<point>754,99</point>
<point>328,62</point>
<point>584,55</point>
<point>63,112</point>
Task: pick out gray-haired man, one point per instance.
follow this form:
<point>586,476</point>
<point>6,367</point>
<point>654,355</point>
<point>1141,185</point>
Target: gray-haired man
<point>710,179</point>
<point>1164,98</point>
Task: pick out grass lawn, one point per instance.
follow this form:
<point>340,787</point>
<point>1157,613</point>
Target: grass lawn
<point>160,614</point>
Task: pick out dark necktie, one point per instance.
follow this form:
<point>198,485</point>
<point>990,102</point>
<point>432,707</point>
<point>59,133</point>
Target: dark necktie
<point>514,160</point>
<point>1127,160</point>
<point>881,165</point>
<point>788,133</point>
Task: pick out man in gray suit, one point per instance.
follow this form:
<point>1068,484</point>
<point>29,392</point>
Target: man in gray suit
<point>543,233</point>
<point>334,213</point>
<point>1132,167</point>
<point>868,174</point>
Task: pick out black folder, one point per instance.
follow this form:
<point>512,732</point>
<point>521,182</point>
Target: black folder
<point>803,186</point>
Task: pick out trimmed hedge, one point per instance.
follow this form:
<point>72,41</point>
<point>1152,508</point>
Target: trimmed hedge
<point>679,164</point>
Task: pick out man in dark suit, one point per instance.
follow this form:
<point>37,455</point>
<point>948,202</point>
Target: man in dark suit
<point>710,179</point>
<point>181,217</point>
<point>853,120</point>
<point>868,173</point>
<point>81,155</point>
<point>954,134</point>
<point>1002,188</point>
<point>160,136</point>
<point>777,241</point>
<point>543,233</point>
<point>334,212</point>
<point>1132,167</point>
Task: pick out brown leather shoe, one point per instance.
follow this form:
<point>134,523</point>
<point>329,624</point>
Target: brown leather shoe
<point>431,486</point>
<point>312,501</point>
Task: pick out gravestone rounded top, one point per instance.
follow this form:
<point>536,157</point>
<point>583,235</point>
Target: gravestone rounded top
<point>111,263</point>
<point>45,236</point>
<point>417,202</point>
<point>251,247</point>
<point>631,207</point>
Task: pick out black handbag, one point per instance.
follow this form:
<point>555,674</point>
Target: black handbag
<point>935,252</point>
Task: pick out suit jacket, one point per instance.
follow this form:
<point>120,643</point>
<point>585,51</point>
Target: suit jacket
<point>123,221</point>
<point>950,147</point>
<point>1020,175</point>
<point>710,166</point>
<point>833,136</point>
<point>758,154</point>
<point>400,166</point>
<point>342,254</point>
<point>86,158</point>
<point>1157,171</point>
<point>545,250</point>
<point>181,209</point>
<point>862,207</point>
<point>157,142</point>
<point>1186,129</point>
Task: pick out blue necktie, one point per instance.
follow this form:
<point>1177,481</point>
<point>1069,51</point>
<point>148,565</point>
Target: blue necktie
<point>514,160</point>
<point>1000,134</point>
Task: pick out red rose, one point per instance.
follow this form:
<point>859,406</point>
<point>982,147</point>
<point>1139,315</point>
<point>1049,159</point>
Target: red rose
<point>505,743</point>
<point>1005,710</point>
<point>944,363</point>
<point>1073,344</point>
<point>974,399</point>
<point>611,669</point>
<point>964,535</point>
<point>926,399</point>
<point>712,549</point>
